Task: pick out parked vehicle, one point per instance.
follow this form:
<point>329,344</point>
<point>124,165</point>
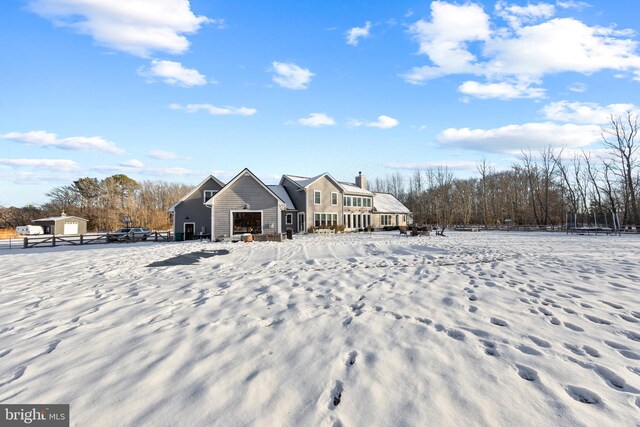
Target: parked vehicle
<point>129,234</point>
<point>29,230</point>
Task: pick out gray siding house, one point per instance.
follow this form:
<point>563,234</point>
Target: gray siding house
<point>297,203</point>
<point>245,205</point>
<point>322,200</point>
<point>191,217</point>
<point>318,199</point>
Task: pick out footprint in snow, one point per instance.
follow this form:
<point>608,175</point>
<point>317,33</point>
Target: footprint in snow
<point>539,342</point>
<point>573,327</point>
<point>52,346</point>
<point>595,319</point>
<point>351,358</point>
<point>631,335</point>
<point>16,375</point>
<point>628,318</point>
<point>489,347</point>
<point>498,322</point>
<point>528,350</point>
<point>583,395</point>
<point>527,373</point>
<point>394,315</point>
<point>336,395</point>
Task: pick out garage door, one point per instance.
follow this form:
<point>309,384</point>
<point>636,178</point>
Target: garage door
<point>70,228</point>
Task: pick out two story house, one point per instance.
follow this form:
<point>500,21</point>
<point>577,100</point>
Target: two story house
<point>298,203</point>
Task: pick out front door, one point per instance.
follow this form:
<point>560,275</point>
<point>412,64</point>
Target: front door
<point>301,227</point>
<point>189,228</point>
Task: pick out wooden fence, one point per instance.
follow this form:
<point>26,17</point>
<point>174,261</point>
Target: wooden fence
<point>90,239</point>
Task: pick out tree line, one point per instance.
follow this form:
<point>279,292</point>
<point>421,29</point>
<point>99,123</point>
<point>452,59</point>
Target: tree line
<point>539,189</point>
<point>107,203</point>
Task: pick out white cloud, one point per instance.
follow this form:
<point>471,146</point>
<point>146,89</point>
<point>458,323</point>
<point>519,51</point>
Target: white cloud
<point>584,112</point>
<point>173,73</point>
<point>461,165</point>
<point>132,163</point>
<point>517,15</point>
<point>383,122</point>
<point>317,120</point>
<point>135,166</point>
<point>560,45</point>
<point>290,75</point>
<point>215,111</point>
<point>572,4</point>
<point>502,90</point>
<point>523,52</point>
<point>138,27</point>
<point>514,138</point>
<point>41,138</point>
<point>162,155</point>
<point>356,33</point>
<point>578,87</point>
<point>62,165</point>
<point>444,39</point>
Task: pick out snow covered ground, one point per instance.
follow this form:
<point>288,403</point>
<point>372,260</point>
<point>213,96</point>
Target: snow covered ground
<point>354,330</point>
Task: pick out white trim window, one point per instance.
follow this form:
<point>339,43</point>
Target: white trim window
<point>317,197</point>
<point>207,194</point>
<point>385,219</point>
<point>245,221</point>
<point>321,219</point>
<point>288,219</point>
<point>347,200</point>
<point>334,199</point>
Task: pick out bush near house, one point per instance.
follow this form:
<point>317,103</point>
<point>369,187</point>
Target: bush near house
<point>336,228</point>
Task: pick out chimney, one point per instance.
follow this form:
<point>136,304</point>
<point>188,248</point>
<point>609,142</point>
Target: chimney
<point>361,181</point>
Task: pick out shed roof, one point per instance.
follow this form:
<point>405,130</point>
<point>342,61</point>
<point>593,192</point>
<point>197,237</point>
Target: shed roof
<point>387,203</point>
<point>58,218</point>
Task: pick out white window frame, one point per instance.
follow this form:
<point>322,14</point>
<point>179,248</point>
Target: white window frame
<point>288,219</point>
<point>330,218</point>
<point>204,195</point>
<point>319,193</point>
<point>332,196</point>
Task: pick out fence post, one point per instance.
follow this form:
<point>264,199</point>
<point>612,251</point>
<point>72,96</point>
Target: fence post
<point>53,241</point>
<point>81,240</point>
<point>156,236</point>
<point>26,242</point>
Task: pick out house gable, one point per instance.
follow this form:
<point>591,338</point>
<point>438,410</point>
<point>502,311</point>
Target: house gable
<point>248,193</point>
<point>192,210</point>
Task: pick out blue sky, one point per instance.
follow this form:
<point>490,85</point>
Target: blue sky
<point>178,90</point>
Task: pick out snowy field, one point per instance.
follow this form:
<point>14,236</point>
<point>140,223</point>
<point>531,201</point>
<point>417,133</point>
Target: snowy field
<point>497,329</point>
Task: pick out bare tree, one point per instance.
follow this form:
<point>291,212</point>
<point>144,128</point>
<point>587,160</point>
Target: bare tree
<point>620,139</point>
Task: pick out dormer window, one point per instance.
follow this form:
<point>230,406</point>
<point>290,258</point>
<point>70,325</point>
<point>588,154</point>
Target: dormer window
<point>207,194</point>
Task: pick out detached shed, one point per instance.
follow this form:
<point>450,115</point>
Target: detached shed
<point>63,224</point>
